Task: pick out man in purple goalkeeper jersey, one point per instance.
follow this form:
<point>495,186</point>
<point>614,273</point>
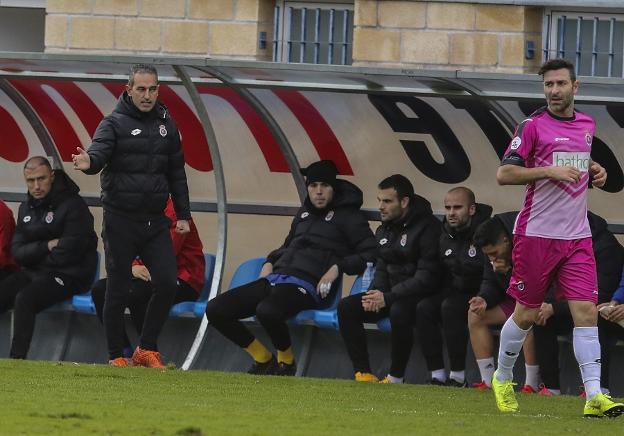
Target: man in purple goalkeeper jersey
<point>550,154</point>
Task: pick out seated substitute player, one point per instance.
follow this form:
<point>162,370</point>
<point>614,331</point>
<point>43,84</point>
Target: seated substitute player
<point>55,247</point>
<point>407,270</point>
<point>492,306</point>
<point>554,317</point>
<point>329,236</point>
<point>551,154</point>
<point>462,269</point>
<point>611,326</point>
<point>7,230</point>
<point>190,264</point>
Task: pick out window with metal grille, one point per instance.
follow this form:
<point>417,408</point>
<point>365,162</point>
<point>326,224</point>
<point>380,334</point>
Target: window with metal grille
<point>313,32</point>
<point>593,42</point>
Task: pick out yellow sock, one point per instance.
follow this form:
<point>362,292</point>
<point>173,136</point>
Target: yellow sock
<point>258,351</point>
<point>286,356</point>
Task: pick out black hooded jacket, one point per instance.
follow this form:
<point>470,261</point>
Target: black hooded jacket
<point>141,159</point>
<point>61,215</point>
<point>494,285</point>
<point>408,263</point>
<point>462,261</point>
<point>319,238</point>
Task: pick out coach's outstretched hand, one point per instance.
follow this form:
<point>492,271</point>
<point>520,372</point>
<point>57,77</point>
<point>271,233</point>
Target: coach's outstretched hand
<point>81,161</point>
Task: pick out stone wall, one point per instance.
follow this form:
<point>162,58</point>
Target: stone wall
<point>212,28</point>
<point>407,33</point>
<point>423,34</point>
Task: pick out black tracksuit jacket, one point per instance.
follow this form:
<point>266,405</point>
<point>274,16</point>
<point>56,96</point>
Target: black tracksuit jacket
<point>408,263</point>
<point>462,261</point>
<point>61,215</point>
<point>319,238</point>
<point>141,160</point>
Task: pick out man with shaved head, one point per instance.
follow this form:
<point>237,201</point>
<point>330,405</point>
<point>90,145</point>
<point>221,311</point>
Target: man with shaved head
<point>54,245</point>
<point>445,312</point>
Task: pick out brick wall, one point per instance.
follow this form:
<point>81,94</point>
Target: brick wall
<point>422,34</point>
<point>212,28</point>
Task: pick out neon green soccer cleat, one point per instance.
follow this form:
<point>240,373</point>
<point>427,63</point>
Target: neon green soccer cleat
<point>602,405</point>
<point>505,395</point>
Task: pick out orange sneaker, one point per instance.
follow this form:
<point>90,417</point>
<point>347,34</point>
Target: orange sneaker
<point>527,389</point>
<point>120,361</point>
<point>482,386</point>
<point>147,358</point>
<point>544,391</point>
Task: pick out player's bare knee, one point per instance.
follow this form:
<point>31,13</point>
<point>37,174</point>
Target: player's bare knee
<point>584,313</point>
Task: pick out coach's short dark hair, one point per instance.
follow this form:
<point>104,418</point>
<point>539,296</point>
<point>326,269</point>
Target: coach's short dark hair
<point>400,183</point>
<point>489,232</point>
<point>141,69</point>
<point>557,64</point>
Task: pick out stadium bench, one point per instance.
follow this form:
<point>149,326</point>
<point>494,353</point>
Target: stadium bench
<point>247,272</point>
<point>328,318</point>
<point>186,308</point>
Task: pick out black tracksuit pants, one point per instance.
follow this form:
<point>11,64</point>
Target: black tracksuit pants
<point>351,317</point>
<point>29,295</point>
<point>272,306</point>
<point>137,300</point>
<point>124,239</point>
<point>443,315</point>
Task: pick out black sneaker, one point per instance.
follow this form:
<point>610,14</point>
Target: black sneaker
<point>455,384</point>
<point>286,369</point>
<point>266,368</point>
<point>436,382</point>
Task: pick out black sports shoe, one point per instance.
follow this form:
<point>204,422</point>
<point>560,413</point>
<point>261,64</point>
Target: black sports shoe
<point>436,382</point>
<point>266,368</point>
<point>286,369</point>
<point>455,384</point>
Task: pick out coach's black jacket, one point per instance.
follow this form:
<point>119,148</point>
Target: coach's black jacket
<point>408,263</point>
<point>319,238</point>
<point>462,261</point>
<point>61,215</point>
<point>141,160</point>
<point>494,286</point>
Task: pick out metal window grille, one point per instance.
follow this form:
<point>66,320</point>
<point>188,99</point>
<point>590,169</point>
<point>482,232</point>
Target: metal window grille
<point>315,34</point>
<point>593,42</point>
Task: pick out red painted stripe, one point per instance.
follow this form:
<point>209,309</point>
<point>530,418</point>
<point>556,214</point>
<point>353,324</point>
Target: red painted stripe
<point>13,145</point>
<point>266,141</point>
<point>316,127</point>
<point>88,113</point>
<point>60,129</point>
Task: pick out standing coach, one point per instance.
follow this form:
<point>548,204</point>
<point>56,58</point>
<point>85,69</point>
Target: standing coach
<point>137,148</point>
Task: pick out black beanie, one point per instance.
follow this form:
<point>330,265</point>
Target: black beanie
<point>321,171</point>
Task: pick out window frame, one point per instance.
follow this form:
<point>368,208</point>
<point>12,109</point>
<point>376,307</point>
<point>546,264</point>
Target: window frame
<point>282,25</point>
<point>551,32</point>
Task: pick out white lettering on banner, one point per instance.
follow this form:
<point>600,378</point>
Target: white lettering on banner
<point>579,161</point>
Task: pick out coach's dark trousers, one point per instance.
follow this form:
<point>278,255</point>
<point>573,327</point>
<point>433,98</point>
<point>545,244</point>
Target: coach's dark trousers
<point>272,305</point>
<point>446,315</point>
<point>29,295</point>
<point>351,317</point>
<point>124,239</point>
<point>139,297</point>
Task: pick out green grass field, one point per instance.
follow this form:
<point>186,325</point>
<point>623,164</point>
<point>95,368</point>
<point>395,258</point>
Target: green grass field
<point>69,398</point>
